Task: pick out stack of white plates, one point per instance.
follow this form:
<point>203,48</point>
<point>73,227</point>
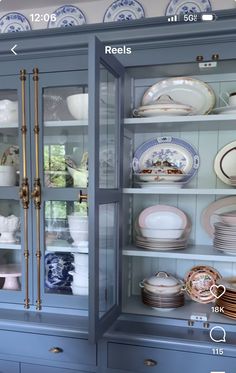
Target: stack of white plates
<point>162,228</point>
<point>225,233</point>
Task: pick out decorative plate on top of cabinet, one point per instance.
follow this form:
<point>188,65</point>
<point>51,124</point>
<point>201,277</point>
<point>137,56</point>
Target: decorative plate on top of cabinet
<point>187,7</point>
<point>67,16</point>
<point>14,22</point>
<point>124,10</point>
<point>185,90</point>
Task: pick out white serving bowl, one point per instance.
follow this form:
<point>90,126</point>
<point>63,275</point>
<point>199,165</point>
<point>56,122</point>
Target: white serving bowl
<point>77,222</point>
<point>80,260</point>
<point>78,105</point>
<point>79,280</point>
<point>8,111</point>
<point>7,175</point>
<point>79,290</point>
<point>161,233</point>
<point>79,236</point>
<point>80,176</point>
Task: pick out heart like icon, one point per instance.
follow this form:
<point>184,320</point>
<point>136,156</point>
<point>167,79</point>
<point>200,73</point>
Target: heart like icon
<point>214,289</point>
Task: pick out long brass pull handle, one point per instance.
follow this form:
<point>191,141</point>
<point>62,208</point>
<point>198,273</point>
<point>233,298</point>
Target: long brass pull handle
<point>24,189</point>
<point>56,350</point>
<point>36,194</point>
<point>150,362</point>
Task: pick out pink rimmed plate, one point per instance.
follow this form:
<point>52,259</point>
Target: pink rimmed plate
<point>163,216</point>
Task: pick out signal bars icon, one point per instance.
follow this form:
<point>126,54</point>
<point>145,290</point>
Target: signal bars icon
<point>173,19</point>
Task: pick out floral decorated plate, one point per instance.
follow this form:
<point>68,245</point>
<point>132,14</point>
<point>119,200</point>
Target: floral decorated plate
<point>173,150</point>
<point>57,267</point>
<point>124,10</point>
<point>184,7</point>
<point>14,22</point>
<point>198,282</point>
<point>67,16</point>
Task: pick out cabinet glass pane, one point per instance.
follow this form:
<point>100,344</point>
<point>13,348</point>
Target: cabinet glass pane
<point>10,246</point>
<point>108,229</point>
<point>65,136</point>
<point>108,130</point>
<point>66,242</point>
<point>9,145</point>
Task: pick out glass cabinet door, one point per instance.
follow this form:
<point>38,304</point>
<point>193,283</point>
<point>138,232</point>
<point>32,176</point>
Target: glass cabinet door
<point>104,189</point>
<point>15,271</point>
<point>61,223</point>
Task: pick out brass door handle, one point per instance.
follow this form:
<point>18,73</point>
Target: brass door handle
<point>56,350</point>
<point>150,362</point>
<point>82,197</point>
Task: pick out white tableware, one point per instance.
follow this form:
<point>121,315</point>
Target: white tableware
<point>78,222</point>
<point>228,218</point>
<point>7,175</point>
<point>187,7</point>
<point>11,157</point>
<point>80,177</point>
<point>162,217</point>
<point>10,272</point>
<point>79,290</point>
<point>8,227</point>
<point>161,233</point>
<point>209,215</point>
<point>121,10</point>
<point>177,152</point>
<point>160,184</point>
<point>164,105</point>
<point>79,236</point>
<point>188,91</point>
<point>8,111</point>
<point>162,283</point>
<point>67,16</point>
<point>78,105</point>
<point>225,162</point>
<point>14,22</point>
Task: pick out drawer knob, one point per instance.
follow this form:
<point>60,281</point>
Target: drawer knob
<point>56,350</point>
<point>150,362</point>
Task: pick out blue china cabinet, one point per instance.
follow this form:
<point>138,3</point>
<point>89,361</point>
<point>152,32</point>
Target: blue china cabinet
<point>70,143</point>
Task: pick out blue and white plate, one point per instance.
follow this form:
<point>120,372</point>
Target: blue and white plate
<point>124,10</point>
<point>67,16</point>
<point>14,22</point>
<point>184,7</point>
<point>57,267</point>
<point>177,152</point>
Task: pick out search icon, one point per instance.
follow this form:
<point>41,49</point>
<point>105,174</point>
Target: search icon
<point>218,334</point>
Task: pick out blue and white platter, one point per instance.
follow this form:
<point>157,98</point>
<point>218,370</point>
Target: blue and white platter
<point>187,7</point>
<point>67,16</point>
<point>176,151</point>
<point>14,22</point>
<point>124,10</point>
<point>57,267</point>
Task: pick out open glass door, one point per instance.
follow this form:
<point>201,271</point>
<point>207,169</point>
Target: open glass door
<point>104,187</point>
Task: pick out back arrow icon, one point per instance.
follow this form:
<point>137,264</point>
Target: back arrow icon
<point>13,49</point>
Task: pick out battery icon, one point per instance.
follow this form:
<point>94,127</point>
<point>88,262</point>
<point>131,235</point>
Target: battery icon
<point>208,17</point>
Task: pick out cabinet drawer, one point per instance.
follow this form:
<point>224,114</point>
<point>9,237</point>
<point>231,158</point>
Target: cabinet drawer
<point>71,350</point>
<point>32,368</point>
<point>9,367</point>
<point>133,359</point>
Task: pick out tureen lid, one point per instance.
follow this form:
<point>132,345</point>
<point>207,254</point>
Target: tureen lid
<point>162,279</point>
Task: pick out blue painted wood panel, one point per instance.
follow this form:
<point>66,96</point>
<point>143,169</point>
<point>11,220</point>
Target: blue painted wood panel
<point>9,367</point>
<point>29,368</point>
